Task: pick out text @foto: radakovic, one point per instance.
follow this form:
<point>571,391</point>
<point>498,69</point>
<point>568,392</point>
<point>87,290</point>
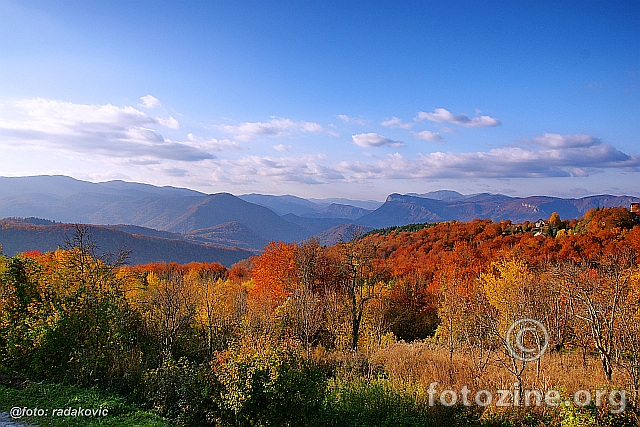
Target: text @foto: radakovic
<point>23,411</point>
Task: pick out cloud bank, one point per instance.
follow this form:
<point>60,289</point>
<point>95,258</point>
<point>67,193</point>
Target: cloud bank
<point>133,138</point>
<point>548,155</point>
<point>544,156</point>
<point>106,130</point>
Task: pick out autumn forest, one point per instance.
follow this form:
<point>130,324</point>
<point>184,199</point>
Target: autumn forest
<point>354,334</point>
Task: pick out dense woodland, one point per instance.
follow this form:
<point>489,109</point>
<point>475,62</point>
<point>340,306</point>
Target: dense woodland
<point>351,334</point>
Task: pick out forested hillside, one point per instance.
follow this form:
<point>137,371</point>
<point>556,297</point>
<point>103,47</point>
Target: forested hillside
<point>144,245</point>
<point>354,334</point>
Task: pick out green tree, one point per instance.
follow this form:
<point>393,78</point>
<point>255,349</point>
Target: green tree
<point>269,385</point>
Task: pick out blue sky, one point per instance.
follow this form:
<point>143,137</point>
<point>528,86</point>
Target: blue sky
<point>334,99</point>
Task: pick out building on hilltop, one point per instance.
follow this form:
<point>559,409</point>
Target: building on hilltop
<point>635,209</point>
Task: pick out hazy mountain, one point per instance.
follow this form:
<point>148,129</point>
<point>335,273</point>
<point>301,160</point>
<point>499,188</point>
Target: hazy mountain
<point>315,226</point>
<point>364,204</point>
<point>336,210</point>
<point>402,209</point>
<point>164,209</point>
<point>144,231</point>
<point>229,234</point>
<point>223,207</point>
<point>313,208</point>
<point>170,209</point>
<point>59,185</point>
<point>69,200</point>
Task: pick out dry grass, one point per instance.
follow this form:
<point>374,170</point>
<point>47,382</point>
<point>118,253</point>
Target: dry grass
<point>422,363</point>
<point>412,367</point>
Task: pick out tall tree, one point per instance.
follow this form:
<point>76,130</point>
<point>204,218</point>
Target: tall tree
<point>313,276</point>
<point>510,289</point>
<point>357,281</point>
<point>169,307</point>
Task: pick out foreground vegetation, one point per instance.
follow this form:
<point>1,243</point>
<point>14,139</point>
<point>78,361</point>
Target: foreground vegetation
<point>350,335</point>
<point>119,412</point>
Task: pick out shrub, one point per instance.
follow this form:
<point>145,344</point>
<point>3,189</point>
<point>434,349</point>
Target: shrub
<point>183,392</point>
<point>269,385</point>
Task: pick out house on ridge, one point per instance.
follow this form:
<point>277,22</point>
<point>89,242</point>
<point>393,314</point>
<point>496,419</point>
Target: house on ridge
<point>635,209</point>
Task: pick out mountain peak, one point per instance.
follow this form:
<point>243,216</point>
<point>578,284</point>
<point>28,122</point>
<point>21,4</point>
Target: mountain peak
<point>394,197</point>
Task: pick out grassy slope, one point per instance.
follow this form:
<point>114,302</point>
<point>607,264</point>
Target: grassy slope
<point>55,396</point>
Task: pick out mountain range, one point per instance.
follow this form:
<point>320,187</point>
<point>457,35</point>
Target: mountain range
<point>245,223</point>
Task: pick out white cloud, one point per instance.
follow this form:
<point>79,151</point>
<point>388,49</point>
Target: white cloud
<point>106,130</point>
<point>371,139</point>
<point>395,122</point>
<point>170,122</point>
<point>442,115</point>
<point>427,135</point>
<point>149,102</point>
<point>309,169</point>
<point>554,156</point>
<point>276,127</point>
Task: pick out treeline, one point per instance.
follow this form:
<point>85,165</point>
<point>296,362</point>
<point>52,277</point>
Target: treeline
<point>311,335</point>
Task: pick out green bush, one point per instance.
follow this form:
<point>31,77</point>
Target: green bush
<point>257,385</point>
<point>269,386</point>
<point>183,392</point>
<point>362,403</point>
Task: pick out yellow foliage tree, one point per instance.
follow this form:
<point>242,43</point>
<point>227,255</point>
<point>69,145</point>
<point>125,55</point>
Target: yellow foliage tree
<point>506,289</point>
<point>510,288</point>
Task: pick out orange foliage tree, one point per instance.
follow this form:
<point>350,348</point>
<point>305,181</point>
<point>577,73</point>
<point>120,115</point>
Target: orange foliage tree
<point>274,273</point>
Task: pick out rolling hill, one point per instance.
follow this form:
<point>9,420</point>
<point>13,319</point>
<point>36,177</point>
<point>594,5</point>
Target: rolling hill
<point>17,235</point>
<point>222,208</point>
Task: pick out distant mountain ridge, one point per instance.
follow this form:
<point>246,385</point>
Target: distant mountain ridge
<point>250,221</point>
<point>406,209</point>
<point>337,210</point>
